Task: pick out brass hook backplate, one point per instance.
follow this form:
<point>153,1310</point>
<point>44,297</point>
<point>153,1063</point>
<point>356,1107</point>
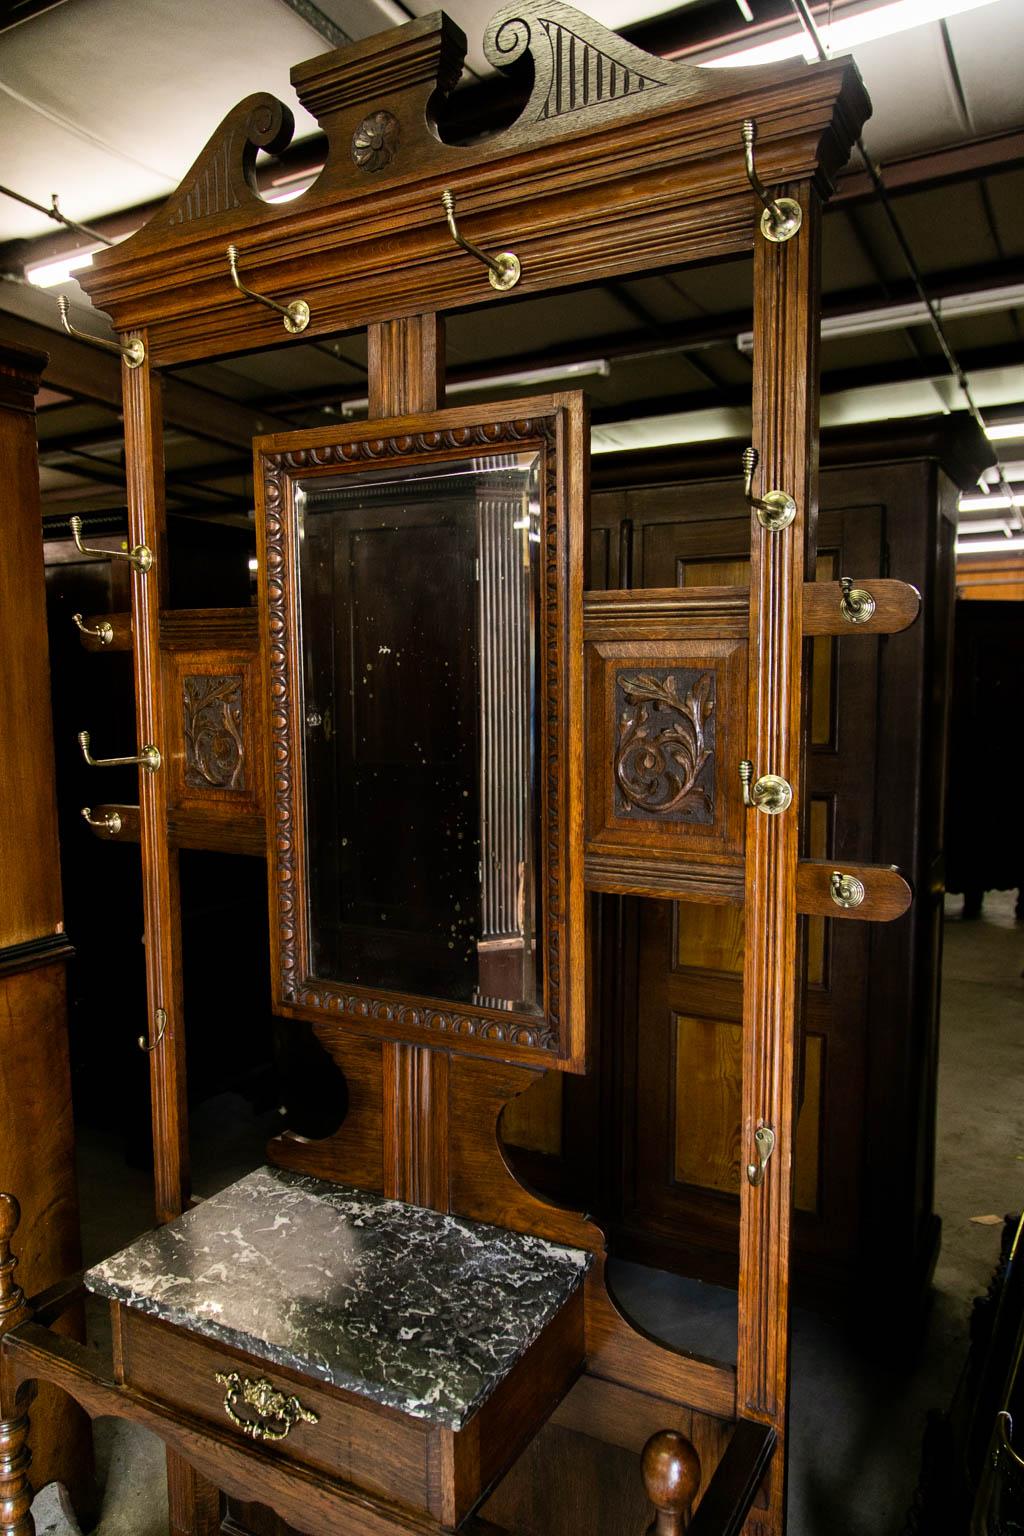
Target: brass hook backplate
<point>295,315</point>
<point>133,352</point>
<point>109,822</point>
<point>503,270</point>
<point>782,216</point>
<point>141,557</point>
<point>846,890</point>
<point>764,1146</point>
<point>855,603</point>
<point>103,632</point>
<point>160,1020</point>
<point>775,510</point>
<point>148,758</point>
<point>772,794</point>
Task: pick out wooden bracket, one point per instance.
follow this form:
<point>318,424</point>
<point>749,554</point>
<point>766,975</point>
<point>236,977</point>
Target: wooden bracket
<point>897,605</point>
<point>886,894</point>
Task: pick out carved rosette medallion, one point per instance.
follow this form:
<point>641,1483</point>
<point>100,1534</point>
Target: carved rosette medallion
<point>665,751</point>
<point>375,141</point>
<point>308,992</point>
<point>214,745</point>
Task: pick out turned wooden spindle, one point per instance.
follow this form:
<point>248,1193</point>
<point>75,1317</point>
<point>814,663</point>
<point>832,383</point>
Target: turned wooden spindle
<point>671,1473</point>
<point>12,1297</point>
<point>15,1489</point>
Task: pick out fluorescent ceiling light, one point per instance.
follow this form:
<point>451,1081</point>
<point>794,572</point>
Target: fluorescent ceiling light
<point>849,32</point>
<point>599,367</point>
<point>1006,546</point>
<point>894,317</point>
<point>1005,429</point>
<point>990,503</point>
<point>50,274</point>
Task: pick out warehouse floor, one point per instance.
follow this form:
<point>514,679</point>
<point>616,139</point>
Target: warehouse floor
<point>856,1427</point>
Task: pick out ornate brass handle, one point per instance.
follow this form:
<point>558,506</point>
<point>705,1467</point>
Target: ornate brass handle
<point>276,1415</point>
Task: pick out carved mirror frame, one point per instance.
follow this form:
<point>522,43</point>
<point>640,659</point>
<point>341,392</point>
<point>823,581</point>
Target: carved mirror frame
<point>555,426</point>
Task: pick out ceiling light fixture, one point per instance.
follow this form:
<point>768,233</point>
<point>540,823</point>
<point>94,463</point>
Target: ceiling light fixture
<point>599,367</point>
<point>894,317</point>
<point>50,274</point>
<point>998,431</point>
<point>848,32</point>
<point>1009,546</point>
<point>990,503</point>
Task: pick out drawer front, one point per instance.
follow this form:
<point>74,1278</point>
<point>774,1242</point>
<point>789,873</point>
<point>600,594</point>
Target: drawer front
<point>372,1449</point>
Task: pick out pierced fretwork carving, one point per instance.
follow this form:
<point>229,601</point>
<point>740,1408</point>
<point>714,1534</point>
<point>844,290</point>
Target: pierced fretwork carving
<point>214,744</point>
<point>664,756</point>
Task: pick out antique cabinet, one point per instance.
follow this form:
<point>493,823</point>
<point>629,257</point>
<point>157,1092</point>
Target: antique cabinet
<point>36,1126</point>
<point>864,1221</point>
<point>431,843</point>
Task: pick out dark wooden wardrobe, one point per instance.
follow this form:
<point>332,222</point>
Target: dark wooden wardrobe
<point>663,1108</point>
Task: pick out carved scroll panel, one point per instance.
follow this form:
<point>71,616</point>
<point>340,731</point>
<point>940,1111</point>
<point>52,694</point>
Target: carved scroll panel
<point>664,737</point>
<point>213,710</point>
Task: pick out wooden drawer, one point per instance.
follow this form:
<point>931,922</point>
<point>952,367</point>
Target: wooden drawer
<point>374,1448</point>
<point>427,1468</point>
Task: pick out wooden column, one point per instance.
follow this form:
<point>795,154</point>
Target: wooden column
<point>406,375</point>
<point>193,1503</point>
<point>785,429</point>
<point>144,453</point>
<point>37,1162</point>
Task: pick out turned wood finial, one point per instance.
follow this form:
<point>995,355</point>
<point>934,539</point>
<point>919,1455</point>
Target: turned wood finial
<point>671,1473</point>
<point>12,1297</point>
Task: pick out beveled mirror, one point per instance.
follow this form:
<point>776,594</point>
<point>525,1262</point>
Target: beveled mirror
<point>421,598</point>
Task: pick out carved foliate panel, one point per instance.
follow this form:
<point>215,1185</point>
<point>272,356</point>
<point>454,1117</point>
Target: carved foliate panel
<point>665,752</point>
<point>665,734</point>
<point>215,754</point>
<point>213,712</point>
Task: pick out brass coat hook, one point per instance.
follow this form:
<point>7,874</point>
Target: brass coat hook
<point>141,557</point>
<point>103,632</point>
<point>295,314</point>
<point>764,1146</point>
<point>148,758</point>
<point>775,509</point>
<point>503,270</point>
<point>855,604</point>
<point>782,216</point>
<point>160,1020</point>
<point>133,352</point>
<point>846,890</point>
<point>109,822</point>
<point>772,794</point>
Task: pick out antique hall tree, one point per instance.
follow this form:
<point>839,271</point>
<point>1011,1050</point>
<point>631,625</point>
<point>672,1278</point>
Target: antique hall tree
<point>383,1330</point>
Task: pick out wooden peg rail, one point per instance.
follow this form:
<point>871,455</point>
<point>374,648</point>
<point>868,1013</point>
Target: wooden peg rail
<point>886,893</point>
<point>897,605</point>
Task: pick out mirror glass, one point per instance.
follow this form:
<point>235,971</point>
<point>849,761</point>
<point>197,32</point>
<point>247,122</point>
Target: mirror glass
<point>420,657</point>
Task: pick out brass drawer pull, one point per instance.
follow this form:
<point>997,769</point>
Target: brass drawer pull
<point>275,1414</point>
